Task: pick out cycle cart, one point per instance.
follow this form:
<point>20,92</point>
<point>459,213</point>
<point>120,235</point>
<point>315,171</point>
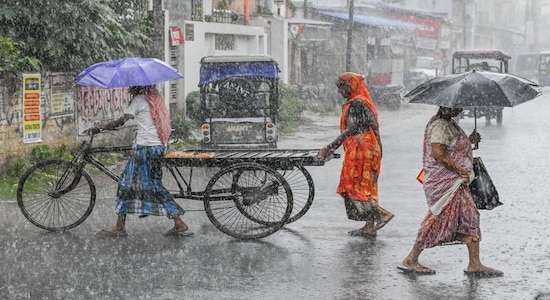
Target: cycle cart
<point>252,194</point>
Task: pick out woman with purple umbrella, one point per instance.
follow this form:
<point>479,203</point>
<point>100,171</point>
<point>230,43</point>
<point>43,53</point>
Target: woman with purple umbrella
<point>140,190</point>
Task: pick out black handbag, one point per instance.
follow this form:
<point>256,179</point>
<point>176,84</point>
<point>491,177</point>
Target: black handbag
<point>483,190</point>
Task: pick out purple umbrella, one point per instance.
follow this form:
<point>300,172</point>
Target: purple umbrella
<point>133,71</point>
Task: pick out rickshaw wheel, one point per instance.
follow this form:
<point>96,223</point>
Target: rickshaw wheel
<point>248,200</point>
<point>56,195</point>
<point>303,191</point>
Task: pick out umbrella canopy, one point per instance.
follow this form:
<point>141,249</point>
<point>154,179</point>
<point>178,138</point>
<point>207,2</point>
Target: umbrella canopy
<point>133,71</point>
<point>475,89</point>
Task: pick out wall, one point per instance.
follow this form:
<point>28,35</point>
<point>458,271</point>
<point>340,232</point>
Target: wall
<point>200,42</point>
<point>57,128</point>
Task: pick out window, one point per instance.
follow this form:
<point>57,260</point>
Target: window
<point>224,42</point>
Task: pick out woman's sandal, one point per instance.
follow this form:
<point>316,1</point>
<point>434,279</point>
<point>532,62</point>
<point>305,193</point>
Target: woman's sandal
<point>487,272</point>
<point>416,270</point>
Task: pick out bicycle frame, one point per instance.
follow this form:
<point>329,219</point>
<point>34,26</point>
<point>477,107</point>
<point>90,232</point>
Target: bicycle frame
<point>87,151</point>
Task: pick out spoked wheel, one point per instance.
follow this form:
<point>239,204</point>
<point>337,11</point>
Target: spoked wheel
<point>248,201</point>
<point>303,191</point>
<point>55,195</point>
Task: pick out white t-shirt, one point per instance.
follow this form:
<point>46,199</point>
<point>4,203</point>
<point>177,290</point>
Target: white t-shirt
<point>147,134</point>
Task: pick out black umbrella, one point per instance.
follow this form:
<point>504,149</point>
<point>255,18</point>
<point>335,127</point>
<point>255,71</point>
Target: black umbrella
<point>475,89</point>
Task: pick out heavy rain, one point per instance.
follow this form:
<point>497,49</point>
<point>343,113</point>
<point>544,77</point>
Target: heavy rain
<point>252,99</point>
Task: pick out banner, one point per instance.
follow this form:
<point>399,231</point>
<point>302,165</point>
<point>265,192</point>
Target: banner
<point>32,118</point>
<point>61,95</point>
<point>176,36</point>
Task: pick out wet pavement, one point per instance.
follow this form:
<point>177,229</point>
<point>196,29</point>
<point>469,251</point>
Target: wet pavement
<point>312,258</point>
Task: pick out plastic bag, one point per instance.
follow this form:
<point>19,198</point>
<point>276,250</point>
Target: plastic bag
<point>483,190</point>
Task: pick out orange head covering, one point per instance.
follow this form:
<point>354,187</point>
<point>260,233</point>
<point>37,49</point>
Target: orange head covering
<point>359,89</point>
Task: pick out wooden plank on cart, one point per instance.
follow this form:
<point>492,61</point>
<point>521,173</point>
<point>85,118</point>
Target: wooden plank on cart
<point>276,158</point>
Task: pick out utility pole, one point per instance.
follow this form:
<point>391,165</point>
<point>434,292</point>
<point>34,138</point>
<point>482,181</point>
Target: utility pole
<point>350,34</point>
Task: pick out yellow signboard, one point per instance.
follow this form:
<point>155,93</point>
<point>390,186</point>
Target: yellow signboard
<point>32,118</point>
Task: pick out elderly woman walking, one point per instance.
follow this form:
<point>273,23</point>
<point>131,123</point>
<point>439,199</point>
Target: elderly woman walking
<point>360,138</point>
<point>453,216</point>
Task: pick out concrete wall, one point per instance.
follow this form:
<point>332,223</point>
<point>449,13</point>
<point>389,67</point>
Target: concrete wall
<point>200,42</point>
<point>56,128</point>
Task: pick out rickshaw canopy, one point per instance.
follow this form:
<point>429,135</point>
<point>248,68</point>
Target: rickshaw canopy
<point>215,68</point>
<point>488,53</point>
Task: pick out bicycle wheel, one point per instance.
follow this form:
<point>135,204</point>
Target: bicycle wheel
<point>55,195</point>
<point>248,201</point>
<point>303,191</point>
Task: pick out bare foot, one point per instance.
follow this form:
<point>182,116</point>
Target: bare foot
<point>362,232</point>
<point>180,227</point>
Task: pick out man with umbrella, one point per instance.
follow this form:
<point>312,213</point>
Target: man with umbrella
<point>140,190</point>
<point>453,216</point>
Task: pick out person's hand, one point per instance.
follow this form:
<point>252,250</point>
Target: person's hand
<point>92,130</point>
<point>323,153</point>
<point>474,137</point>
<point>465,177</point>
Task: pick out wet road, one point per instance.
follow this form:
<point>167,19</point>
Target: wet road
<point>313,258</point>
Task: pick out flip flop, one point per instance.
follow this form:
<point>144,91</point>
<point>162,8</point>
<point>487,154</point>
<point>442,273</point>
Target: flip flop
<point>177,233</point>
<point>383,223</point>
<point>487,272</point>
<point>416,270</point>
<point>108,233</point>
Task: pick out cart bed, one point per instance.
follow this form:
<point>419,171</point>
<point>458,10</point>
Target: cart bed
<point>275,158</point>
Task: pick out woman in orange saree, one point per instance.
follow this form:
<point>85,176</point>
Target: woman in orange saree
<point>360,139</point>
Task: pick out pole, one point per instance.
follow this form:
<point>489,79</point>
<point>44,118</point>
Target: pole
<point>350,34</point>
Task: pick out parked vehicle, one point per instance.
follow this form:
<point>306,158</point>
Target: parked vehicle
<point>543,76</point>
<point>239,101</point>
<point>481,60</point>
<point>422,69</point>
<point>527,65</point>
<point>534,66</point>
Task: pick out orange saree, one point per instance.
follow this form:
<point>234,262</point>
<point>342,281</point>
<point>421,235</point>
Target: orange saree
<point>363,153</point>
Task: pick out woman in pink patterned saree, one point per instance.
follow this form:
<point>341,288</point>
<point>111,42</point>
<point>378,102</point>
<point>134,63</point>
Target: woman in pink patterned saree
<point>453,216</point>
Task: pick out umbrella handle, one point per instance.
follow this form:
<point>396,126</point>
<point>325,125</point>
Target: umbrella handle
<point>476,146</point>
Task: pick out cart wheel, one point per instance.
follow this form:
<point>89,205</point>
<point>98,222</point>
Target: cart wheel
<point>303,191</point>
<point>53,196</point>
<point>248,200</point>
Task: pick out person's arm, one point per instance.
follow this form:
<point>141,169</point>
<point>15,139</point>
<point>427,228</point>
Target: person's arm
<point>439,152</point>
<point>110,125</point>
<point>351,129</point>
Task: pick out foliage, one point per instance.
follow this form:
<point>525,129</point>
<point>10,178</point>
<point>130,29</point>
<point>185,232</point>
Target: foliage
<point>193,107</point>
<point>8,182</point>
<point>12,63</point>
<point>182,127</point>
<point>68,35</point>
<point>291,108</point>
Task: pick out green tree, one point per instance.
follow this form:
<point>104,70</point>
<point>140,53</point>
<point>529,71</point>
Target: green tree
<point>12,63</point>
<point>69,35</point>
